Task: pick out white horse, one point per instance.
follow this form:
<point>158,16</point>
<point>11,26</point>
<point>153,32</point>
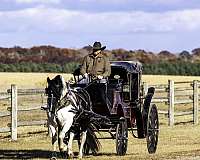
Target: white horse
<point>63,108</point>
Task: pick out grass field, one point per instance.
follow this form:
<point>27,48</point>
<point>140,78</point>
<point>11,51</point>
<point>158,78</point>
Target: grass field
<point>38,80</point>
<point>162,79</point>
<point>179,142</point>
<point>26,80</point>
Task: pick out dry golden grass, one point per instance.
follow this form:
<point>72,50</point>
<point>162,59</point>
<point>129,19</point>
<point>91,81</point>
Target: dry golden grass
<point>180,142</point>
<point>38,80</point>
<point>26,80</point>
<point>163,79</point>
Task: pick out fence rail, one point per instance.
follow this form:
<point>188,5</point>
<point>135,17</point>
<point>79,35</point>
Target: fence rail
<point>29,109</point>
<point>6,129</point>
<point>5,114</point>
<point>4,97</point>
<point>28,91</point>
<point>32,123</point>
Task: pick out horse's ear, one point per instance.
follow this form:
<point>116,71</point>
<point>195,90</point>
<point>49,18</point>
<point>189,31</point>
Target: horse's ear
<point>48,79</point>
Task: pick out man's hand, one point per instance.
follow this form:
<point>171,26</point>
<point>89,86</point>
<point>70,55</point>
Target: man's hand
<point>100,77</point>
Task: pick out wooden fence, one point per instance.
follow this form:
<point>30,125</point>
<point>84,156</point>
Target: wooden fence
<point>5,96</point>
<point>165,93</point>
<point>176,93</point>
<point>12,94</point>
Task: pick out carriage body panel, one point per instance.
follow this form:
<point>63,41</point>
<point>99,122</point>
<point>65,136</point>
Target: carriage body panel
<point>129,80</point>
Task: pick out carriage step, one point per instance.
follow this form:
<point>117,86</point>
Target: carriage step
<point>114,119</point>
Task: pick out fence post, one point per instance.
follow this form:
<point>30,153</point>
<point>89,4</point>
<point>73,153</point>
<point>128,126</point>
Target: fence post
<point>171,102</point>
<point>195,101</point>
<point>14,112</point>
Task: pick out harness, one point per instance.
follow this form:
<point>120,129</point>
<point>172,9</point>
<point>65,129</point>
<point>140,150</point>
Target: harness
<point>76,98</point>
<point>77,110</point>
<point>66,101</point>
<point>83,116</point>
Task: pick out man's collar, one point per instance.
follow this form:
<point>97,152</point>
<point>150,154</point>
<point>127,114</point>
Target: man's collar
<point>93,56</point>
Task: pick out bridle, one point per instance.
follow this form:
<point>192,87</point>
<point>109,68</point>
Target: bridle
<point>53,92</point>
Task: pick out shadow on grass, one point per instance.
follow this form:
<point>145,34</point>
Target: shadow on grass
<point>30,154</point>
<point>104,154</point>
<point>24,135</point>
<point>26,154</point>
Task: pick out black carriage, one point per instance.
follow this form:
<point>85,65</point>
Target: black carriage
<point>120,99</point>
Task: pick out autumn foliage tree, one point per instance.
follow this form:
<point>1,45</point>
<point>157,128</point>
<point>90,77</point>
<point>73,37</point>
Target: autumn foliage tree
<point>54,59</point>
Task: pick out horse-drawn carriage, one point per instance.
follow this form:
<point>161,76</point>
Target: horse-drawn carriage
<point>120,100</point>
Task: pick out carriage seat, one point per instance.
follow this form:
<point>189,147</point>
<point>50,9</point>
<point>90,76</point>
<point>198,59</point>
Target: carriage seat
<point>98,96</point>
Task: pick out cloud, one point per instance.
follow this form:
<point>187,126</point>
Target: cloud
<point>139,3</point>
<point>169,2</point>
<point>122,23</point>
<point>38,1</point>
<point>134,29</point>
<point>133,1</point>
<point>51,20</point>
<point>105,1</point>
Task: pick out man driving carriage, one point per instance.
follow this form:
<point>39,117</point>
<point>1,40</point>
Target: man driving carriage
<point>96,65</point>
<point>96,68</point>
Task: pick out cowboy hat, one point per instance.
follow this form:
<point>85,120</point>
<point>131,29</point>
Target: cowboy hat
<point>97,46</point>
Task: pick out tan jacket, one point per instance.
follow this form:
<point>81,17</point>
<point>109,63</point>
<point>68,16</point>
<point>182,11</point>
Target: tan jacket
<point>95,66</point>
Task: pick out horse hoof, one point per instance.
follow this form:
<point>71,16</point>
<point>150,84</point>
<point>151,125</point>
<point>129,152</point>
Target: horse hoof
<point>71,156</point>
<point>53,158</point>
<point>80,157</point>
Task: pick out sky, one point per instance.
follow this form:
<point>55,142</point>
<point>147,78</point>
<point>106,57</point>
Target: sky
<point>152,25</point>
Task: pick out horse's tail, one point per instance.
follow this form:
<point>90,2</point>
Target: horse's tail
<point>92,142</point>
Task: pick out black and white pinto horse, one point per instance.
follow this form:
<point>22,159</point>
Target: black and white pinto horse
<point>68,115</point>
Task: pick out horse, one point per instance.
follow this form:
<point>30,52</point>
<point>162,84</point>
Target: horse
<point>69,114</point>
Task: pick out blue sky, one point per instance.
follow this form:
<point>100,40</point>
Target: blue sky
<point>153,25</point>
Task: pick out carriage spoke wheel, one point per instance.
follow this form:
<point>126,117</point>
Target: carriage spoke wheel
<point>152,129</point>
<point>121,137</point>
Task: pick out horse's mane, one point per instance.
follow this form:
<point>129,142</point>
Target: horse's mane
<point>64,87</point>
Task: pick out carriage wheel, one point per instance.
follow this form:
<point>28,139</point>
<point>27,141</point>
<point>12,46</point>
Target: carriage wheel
<point>121,137</point>
<point>152,129</point>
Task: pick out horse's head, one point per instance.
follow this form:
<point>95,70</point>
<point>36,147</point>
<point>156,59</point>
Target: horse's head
<point>56,89</point>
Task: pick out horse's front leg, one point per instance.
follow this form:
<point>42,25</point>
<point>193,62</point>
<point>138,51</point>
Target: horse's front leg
<point>83,139</point>
<point>53,135</point>
<point>62,145</point>
<point>70,151</point>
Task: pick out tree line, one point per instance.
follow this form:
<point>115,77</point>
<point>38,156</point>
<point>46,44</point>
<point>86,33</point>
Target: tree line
<point>65,60</point>
<point>161,68</point>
